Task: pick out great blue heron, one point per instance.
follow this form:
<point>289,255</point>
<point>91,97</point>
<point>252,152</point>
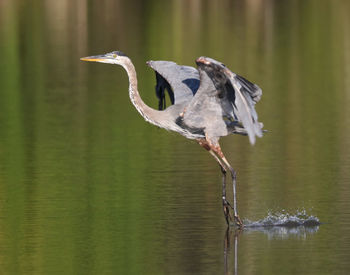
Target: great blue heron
<point>207,104</point>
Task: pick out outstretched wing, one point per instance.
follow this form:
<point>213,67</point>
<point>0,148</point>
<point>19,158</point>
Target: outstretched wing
<point>224,102</point>
<point>181,82</point>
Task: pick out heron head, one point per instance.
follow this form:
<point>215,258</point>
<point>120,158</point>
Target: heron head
<point>115,57</point>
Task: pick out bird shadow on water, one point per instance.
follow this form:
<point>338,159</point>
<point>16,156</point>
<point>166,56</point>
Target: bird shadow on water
<point>276,226</point>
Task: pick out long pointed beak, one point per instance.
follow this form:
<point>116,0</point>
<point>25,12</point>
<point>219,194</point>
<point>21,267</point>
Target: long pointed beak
<point>95,58</point>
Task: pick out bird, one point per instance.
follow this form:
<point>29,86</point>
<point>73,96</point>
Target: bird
<point>207,103</point>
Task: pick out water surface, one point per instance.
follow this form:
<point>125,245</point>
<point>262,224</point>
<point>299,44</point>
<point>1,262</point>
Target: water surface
<point>88,187</point>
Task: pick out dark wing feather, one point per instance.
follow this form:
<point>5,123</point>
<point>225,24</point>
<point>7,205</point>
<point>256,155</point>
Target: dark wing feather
<point>181,82</point>
<point>250,89</point>
<point>161,86</point>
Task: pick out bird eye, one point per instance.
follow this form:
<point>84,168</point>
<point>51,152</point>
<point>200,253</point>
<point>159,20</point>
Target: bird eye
<point>114,55</point>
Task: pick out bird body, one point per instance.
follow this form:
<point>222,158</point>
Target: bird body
<point>207,103</point>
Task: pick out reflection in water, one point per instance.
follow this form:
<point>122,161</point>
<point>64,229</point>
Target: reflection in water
<point>273,232</point>
<point>285,232</point>
<point>227,245</point>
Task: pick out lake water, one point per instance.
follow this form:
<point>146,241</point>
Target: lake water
<point>88,187</point>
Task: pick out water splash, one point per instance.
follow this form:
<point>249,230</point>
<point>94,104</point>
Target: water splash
<point>282,225</point>
<point>300,218</point>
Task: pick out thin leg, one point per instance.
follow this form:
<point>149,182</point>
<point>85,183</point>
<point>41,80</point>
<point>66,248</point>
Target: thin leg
<point>225,203</point>
<point>216,152</point>
<point>237,219</point>
<point>223,160</point>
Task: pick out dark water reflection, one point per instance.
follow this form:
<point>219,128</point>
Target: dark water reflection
<point>233,237</point>
<point>87,187</point>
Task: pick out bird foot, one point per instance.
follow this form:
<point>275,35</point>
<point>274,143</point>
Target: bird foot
<point>238,221</point>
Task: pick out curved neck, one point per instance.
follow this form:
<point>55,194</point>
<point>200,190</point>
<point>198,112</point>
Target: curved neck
<point>151,115</point>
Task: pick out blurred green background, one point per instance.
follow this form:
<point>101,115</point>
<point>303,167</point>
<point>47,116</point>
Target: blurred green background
<point>88,187</point>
